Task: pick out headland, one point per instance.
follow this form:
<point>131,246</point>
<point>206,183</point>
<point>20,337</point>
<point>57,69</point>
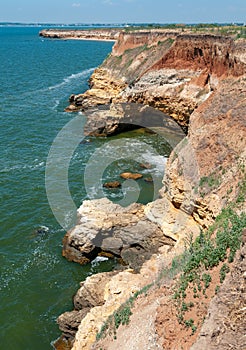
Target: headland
<point>198,79</point>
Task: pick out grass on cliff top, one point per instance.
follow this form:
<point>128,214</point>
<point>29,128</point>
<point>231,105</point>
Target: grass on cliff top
<point>234,30</point>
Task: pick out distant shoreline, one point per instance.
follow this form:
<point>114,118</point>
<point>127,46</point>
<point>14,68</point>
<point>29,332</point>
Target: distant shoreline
<point>87,39</point>
<point>71,34</point>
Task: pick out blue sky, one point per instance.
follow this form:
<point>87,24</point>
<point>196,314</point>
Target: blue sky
<point>122,11</point>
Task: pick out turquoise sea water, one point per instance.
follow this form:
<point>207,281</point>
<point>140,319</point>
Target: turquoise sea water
<point>36,78</point>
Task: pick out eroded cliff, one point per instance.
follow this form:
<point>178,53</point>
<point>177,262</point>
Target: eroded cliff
<point>167,70</point>
<point>200,82</point>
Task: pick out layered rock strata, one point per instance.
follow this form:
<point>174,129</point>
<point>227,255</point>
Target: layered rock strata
<point>167,70</point>
<point>200,81</point>
<point>202,177</point>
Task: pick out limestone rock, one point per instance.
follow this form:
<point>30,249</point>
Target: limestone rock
<point>194,80</point>
<point>118,290</point>
<point>174,223</point>
<point>91,292</point>
<point>145,165</point>
<point>104,88</point>
<point>95,34</point>
<point>70,321</point>
<point>148,179</point>
<point>107,227</point>
<point>132,176</point>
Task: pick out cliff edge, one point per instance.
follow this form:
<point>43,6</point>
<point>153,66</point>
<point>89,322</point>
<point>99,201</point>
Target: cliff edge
<point>199,81</point>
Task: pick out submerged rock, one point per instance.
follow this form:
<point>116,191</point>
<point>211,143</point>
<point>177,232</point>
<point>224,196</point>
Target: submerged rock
<point>145,165</point>
<point>131,176</point>
<point>112,184</point>
<point>148,179</point>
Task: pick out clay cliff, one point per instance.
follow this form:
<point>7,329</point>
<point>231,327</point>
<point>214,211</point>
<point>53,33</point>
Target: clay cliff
<point>166,70</point>
<point>199,81</point>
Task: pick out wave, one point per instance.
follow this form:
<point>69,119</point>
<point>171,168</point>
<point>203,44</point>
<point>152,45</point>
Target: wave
<point>36,165</point>
<point>66,81</point>
<point>72,77</point>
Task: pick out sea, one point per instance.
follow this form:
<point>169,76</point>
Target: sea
<point>37,76</point>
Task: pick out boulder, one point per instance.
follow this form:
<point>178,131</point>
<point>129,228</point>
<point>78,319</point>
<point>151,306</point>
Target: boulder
<point>106,227</point>
<point>131,176</point>
<point>145,165</point>
<point>70,321</point>
<point>112,184</point>
<point>91,292</point>
<point>148,179</point>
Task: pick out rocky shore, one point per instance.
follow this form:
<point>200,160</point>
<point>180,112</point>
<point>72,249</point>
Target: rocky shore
<point>200,82</point>
<point>66,34</point>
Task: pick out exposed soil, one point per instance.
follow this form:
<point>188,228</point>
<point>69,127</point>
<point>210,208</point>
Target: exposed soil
<point>218,314</point>
<point>176,335</point>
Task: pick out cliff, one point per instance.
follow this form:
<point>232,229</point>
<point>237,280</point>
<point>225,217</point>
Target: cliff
<point>167,70</point>
<point>93,34</point>
<point>199,81</point>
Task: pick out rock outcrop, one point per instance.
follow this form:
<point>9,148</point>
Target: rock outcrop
<point>200,82</point>
<point>90,295</point>
<point>108,229</point>
<point>117,291</point>
<point>104,88</point>
<point>169,71</point>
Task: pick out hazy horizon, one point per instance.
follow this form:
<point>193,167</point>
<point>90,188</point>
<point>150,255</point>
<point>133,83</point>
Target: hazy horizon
<point>123,11</point>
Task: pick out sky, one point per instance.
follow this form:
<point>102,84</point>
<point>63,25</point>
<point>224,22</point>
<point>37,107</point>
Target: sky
<point>123,11</point>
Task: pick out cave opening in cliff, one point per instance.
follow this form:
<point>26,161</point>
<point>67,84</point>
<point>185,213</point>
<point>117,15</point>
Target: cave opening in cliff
<point>131,143</point>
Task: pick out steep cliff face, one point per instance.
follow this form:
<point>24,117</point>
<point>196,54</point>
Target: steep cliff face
<point>129,41</point>
<point>172,72</point>
<point>203,175</point>
<point>104,88</point>
<point>200,82</point>
<point>197,52</point>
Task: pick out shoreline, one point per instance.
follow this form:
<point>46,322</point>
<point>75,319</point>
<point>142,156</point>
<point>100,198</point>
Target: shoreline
<point>88,39</point>
<point>173,73</point>
<point>97,35</point>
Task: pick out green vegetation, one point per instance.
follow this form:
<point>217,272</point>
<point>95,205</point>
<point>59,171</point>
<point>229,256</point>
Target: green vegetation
<point>205,253</point>
<point>190,323</point>
<point>177,266</point>
<point>217,289</point>
<point>216,246</point>
<point>241,191</point>
<point>236,31</point>
<point>122,315</point>
<point>211,181</point>
<point>223,271</point>
<point>168,42</point>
